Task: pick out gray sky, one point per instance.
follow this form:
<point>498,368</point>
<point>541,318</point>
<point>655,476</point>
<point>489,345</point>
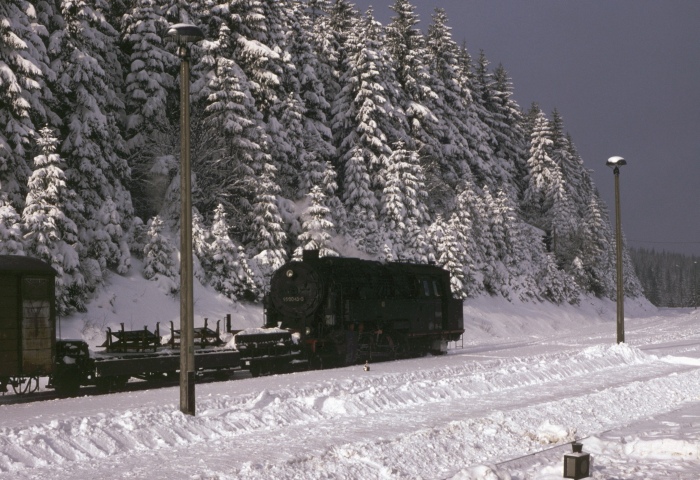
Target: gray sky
<point>625,76</point>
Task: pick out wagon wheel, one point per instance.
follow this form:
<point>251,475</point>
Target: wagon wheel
<point>22,385</point>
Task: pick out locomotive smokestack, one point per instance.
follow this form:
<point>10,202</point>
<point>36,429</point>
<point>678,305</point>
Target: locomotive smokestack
<point>310,255</point>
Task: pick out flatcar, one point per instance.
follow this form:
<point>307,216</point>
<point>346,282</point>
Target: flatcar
<point>332,311</point>
<point>29,348</point>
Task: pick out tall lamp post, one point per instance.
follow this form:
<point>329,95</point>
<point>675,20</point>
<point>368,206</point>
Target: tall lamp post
<point>615,163</point>
<point>184,34</point>
<point>695,284</point>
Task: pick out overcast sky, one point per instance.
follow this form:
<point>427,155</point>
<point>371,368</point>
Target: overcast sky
<point>625,76</point>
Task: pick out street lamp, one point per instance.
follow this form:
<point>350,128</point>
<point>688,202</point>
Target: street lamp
<point>615,163</point>
<point>695,284</point>
<point>184,34</point>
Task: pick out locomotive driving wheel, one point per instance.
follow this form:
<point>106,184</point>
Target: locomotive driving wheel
<point>24,385</point>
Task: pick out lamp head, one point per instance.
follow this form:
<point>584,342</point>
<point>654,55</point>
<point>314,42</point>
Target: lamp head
<point>615,162</point>
<point>184,33</point>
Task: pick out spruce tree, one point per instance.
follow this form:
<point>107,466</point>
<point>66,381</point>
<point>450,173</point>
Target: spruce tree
<point>230,273</point>
<point>448,253</point>
<point>148,82</point>
<point>418,100</point>
<point>87,90</point>
<point>404,195</point>
<point>201,247</point>
<point>48,227</point>
<point>227,172</point>
<point>316,227</point>
<point>22,65</point>
<point>11,239</point>
<point>159,263</point>
<point>267,230</point>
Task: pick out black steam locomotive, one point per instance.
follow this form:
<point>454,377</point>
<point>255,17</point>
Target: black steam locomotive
<point>332,311</point>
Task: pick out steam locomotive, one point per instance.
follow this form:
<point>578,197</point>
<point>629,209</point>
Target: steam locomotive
<point>332,311</point>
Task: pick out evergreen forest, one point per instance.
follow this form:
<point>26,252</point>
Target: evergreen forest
<point>313,126</point>
<point>668,279</point>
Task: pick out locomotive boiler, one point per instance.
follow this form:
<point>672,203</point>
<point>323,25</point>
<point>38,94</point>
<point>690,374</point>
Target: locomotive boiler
<point>336,311</point>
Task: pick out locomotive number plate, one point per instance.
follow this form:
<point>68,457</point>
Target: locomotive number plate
<point>293,299</point>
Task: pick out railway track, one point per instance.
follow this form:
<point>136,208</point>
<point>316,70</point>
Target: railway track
<point>44,395</point>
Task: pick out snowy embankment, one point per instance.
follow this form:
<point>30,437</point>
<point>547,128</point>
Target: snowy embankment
<point>511,390</point>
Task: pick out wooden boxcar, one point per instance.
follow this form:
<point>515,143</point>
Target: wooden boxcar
<point>27,319</point>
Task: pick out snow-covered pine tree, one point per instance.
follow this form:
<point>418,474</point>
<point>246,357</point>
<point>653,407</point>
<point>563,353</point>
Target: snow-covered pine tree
<point>49,230</point>
<point>252,287</point>
<point>223,257</point>
<point>515,251</point>
<point>22,60</point>
<point>226,172</point>
<point>147,86</point>
<point>473,255</point>
<point>228,275</point>
<point>318,150</point>
<point>267,230</point>
<point>544,179</point>
<point>494,117</point>
<point>11,239</point>
<point>363,114</point>
<point>403,197</point>
<point>201,241</point>
<point>571,166</point>
<point>111,239</point>
<point>591,267</point>
<point>360,202</point>
<point>88,98</point>
<point>159,263</point>
<point>485,170</point>
<point>509,130</point>
<point>460,227</point>
<point>284,114</point>
<point>418,100</point>
<point>486,218</point>
<point>316,227</point>
<point>336,46</point>
<point>137,236</point>
<point>448,253</point>
<point>443,62</point>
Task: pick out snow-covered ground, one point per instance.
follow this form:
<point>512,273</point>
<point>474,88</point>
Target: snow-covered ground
<point>528,379</point>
